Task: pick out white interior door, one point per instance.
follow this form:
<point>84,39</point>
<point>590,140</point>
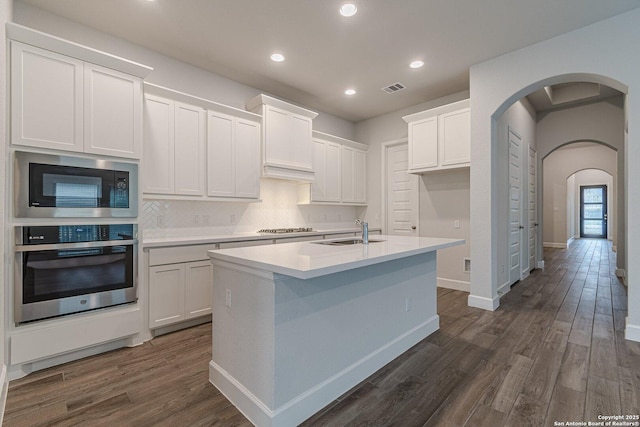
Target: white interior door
<point>402,193</point>
<point>515,205</point>
<point>533,219</point>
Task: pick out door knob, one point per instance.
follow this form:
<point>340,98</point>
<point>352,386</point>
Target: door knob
<point>521,227</point>
<point>413,227</point>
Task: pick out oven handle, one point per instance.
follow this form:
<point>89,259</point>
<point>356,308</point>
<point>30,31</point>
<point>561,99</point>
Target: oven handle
<point>75,245</point>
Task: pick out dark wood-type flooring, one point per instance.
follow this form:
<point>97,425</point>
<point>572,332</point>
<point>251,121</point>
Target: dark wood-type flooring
<point>553,351</point>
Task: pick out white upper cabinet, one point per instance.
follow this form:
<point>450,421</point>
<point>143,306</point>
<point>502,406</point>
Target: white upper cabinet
<point>287,147</point>
<point>327,164</point>
<point>233,153</point>
<point>440,138</point>
<point>199,148</point>
<point>174,149</point>
<point>46,99</point>
<point>112,112</point>
<point>354,173</point>
<point>340,169</point>
<point>63,103</point>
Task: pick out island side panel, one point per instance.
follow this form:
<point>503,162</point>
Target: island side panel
<point>333,331</point>
<point>242,364</point>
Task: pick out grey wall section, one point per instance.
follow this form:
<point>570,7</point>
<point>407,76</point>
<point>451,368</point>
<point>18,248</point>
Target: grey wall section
<point>603,122</point>
<point>598,53</point>
<point>167,71</point>
<point>557,168</point>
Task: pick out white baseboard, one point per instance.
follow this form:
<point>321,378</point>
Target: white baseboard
<point>540,264</point>
<point>570,241</point>
<point>504,288</point>
<point>632,332</point>
<point>4,383</point>
<point>621,272</point>
<point>306,404</point>
<point>456,285</point>
<point>484,303</point>
<point>554,245</point>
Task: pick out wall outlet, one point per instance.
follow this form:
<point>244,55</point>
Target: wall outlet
<point>161,221</point>
<point>466,265</point>
<point>228,298</point>
<point>456,223</point>
<point>196,219</point>
<point>205,219</point>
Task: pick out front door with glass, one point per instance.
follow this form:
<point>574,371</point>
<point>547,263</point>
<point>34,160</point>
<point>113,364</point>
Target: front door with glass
<point>593,211</point>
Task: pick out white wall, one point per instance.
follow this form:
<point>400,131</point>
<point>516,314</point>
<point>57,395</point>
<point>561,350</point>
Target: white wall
<point>520,117</point>
<point>557,167</point>
<point>599,53</point>
<point>5,16</point>
<point>444,197</point>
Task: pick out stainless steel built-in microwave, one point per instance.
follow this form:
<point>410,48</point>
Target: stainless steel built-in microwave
<point>52,186</point>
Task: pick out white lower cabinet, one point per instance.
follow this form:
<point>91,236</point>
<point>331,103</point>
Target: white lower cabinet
<point>179,292</point>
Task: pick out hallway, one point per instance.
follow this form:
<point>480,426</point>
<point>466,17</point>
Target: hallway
<point>553,351</point>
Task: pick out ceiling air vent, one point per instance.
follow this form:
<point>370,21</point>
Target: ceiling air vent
<point>393,88</point>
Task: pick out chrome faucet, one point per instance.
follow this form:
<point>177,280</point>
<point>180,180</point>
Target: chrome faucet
<point>365,231</point>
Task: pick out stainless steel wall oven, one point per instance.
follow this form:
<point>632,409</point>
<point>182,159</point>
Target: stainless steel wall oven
<point>64,269</point>
<point>52,186</point>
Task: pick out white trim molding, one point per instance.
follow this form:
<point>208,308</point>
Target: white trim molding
<point>456,285</point>
<point>4,383</point>
<point>632,332</point>
<point>540,264</point>
<point>554,245</point>
<point>484,303</point>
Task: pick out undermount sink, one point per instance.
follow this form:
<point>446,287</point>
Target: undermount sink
<point>345,242</point>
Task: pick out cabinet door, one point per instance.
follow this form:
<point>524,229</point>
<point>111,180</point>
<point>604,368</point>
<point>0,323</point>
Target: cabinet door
<point>277,136</point>
<point>348,194</point>
<point>189,150</point>
<point>220,155</point>
<point>166,294</point>
<point>159,141</point>
<point>319,185</point>
<point>198,289</point>
<point>300,142</point>
<point>46,99</point>
<point>333,180</point>
<point>455,137</point>
<point>359,176</point>
<point>423,144</point>
<point>247,158</point>
<point>112,113</point>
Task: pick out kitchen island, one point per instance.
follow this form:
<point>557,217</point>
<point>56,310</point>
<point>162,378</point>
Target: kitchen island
<point>296,325</point>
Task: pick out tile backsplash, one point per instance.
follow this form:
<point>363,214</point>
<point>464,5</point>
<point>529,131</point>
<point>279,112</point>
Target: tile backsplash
<point>278,208</point>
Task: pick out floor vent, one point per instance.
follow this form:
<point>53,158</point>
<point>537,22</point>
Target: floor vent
<point>393,88</point>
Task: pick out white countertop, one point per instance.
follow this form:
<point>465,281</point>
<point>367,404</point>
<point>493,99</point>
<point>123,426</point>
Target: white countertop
<point>306,260</point>
<point>203,239</point>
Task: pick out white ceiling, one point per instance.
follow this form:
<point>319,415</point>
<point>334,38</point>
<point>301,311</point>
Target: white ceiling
<point>327,53</point>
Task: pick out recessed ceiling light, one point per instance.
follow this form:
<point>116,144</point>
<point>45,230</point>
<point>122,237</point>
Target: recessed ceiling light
<point>350,92</point>
<point>277,57</point>
<point>416,64</point>
<point>348,9</point>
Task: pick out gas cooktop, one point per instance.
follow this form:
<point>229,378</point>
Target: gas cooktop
<point>285,230</point>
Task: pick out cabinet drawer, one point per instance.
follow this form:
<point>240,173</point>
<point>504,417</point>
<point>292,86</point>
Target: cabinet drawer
<point>178,254</point>
<point>246,243</point>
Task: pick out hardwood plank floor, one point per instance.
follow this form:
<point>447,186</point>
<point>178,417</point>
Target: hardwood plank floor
<point>553,351</point>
